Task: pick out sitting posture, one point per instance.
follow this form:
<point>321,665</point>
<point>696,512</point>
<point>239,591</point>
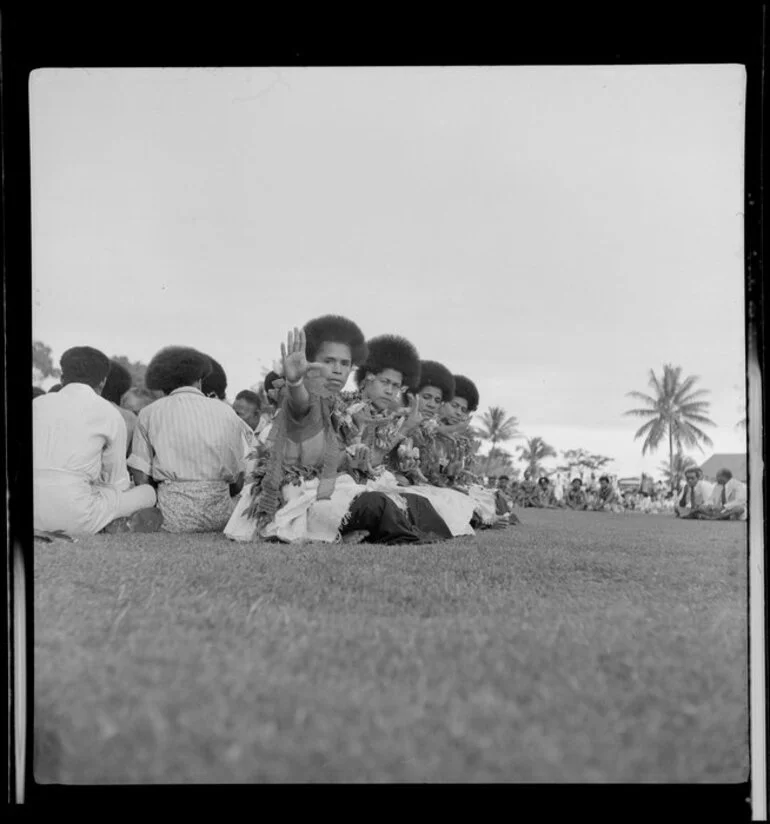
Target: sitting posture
<point>576,497</point>
<point>81,483</point>
<point>728,500</point>
<point>190,446</point>
<point>248,407</point>
<point>694,496</point>
<point>546,499</point>
<point>606,499</point>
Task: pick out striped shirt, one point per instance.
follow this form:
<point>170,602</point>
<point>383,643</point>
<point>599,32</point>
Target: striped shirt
<point>78,432</point>
<point>186,436</point>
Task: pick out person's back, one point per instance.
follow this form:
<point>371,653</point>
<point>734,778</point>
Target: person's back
<point>81,482</point>
<point>71,429</point>
<point>193,438</point>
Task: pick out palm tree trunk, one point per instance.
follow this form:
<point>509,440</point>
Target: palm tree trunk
<point>671,455</point>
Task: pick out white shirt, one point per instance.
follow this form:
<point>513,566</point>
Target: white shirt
<point>78,432</point>
<point>694,496</point>
<point>735,495</point>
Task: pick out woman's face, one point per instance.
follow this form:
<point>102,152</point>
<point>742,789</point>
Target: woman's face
<point>455,411</point>
<point>337,357</point>
<point>430,398</point>
<point>384,388</point>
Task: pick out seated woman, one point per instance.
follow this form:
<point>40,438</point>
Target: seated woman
<point>300,488</point>
<point>420,461</point>
<point>80,479</point>
<point>459,444</point>
<point>190,446</point>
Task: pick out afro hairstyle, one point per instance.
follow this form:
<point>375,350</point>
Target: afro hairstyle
<point>466,388</point>
<point>84,364</point>
<point>391,352</point>
<point>216,380</point>
<point>433,373</point>
<point>335,329</point>
<point>176,366</point>
<point>118,383</point>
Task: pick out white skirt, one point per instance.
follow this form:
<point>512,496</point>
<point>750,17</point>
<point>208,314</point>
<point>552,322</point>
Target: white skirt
<point>303,517</point>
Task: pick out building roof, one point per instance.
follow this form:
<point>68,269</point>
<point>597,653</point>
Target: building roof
<point>736,463</point>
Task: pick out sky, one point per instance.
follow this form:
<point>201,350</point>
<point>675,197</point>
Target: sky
<point>553,233</point>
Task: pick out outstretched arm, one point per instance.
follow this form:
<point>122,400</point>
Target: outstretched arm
<point>296,369</point>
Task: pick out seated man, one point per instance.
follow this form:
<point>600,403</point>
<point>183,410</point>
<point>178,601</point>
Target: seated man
<point>191,446</point>
<point>528,492</point>
<point>606,498</point>
<point>81,483</point>
<point>728,500</point>
<point>695,494</point>
<point>117,384</point>
<point>576,498</point>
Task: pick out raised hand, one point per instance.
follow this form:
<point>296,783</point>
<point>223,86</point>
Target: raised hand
<point>295,364</point>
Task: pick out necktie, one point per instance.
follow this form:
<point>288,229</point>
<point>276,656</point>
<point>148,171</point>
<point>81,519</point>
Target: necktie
<point>724,495</point>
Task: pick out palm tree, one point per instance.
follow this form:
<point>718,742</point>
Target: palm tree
<point>535,452</point>
<point>674,410</point>
<point>681,464</point>
<point>497,428</point>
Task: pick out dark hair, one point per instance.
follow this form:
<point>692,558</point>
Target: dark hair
<point>335,329</point>
<point>433,373</point>
<point>270,379</point>
<point>37,392</point>
<point>84,364</point>
<point>604,478</point>
<point>725,472</point>
<point>250,397</point>
<point>577,481</point>
<point>503,478</point>
<point>118,382</point>
<point>176,366</point>
<point>55,388</point>
<point>216,380</point>
<point>540,480</point>
<point>466,388</point>
<point>693,470</point>
<point>391,352</point>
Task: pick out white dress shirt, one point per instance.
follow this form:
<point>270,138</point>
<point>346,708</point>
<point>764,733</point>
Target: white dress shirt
<point>78,433</point>
<point>735,495</point>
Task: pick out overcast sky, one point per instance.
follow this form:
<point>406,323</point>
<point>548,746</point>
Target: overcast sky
<point>551,232</point>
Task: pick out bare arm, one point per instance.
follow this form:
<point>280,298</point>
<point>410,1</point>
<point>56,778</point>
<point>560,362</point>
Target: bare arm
<point>295,369</point>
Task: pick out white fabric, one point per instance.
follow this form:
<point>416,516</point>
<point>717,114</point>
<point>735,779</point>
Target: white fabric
<point>303,517</point>
<point>81,482</point>
<point>453,507</point>
<point>485,503</point>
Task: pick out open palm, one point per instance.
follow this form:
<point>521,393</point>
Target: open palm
<point>295,363</point>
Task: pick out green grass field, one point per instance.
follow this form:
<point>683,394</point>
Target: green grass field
<point>576,647</point>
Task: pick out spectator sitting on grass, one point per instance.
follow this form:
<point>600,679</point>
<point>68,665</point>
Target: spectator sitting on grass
<point>528,493</point>
<point>606,498</point>
<point>81,483</point>
<point>117,384</point>
<point>694,495</point>
<point>728,500</point>
<point>191,446</point>
<point>546,499</point>
<point>576,497</point>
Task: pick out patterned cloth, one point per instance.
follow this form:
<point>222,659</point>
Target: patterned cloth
<point>195,506</point>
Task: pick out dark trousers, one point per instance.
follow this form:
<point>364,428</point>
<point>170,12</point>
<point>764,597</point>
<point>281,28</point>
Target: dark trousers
<point>424,516</point>
<point>376,513</point>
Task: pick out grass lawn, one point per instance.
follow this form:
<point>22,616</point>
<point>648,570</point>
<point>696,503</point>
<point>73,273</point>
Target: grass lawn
<point>576,647</point>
